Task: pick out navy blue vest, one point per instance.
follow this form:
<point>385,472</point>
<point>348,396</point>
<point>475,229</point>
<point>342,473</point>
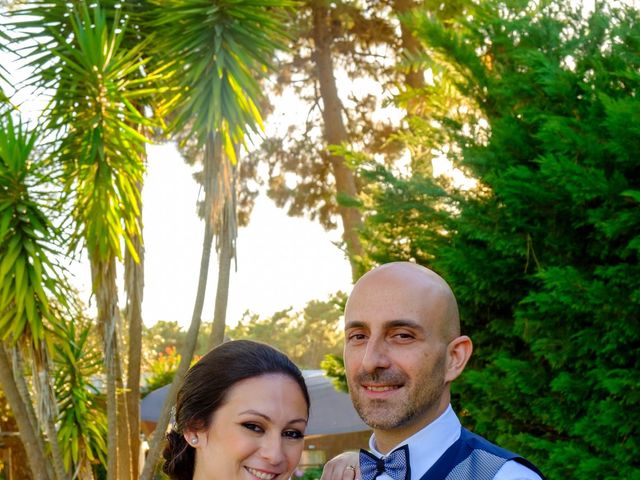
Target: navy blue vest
<point>472,457</point>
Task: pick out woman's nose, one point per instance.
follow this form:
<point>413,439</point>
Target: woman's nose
<point>272,449</point>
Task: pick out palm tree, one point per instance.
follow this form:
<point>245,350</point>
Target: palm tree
<point>215,54</point>
<point>79,55</point>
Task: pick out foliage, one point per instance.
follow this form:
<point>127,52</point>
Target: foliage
<point>160,336</point>
<point>366,40</point>
<point>333,366</point>
<point>4,39</point>
<point>161,370</point>
<point>95,84</point>
<point>222,92</point>
<point>543,252</point>
<point>313,473</point>
<point>306,336</point>
<point>28,240</point>
<point>82,427</point>
<point>301,177</point>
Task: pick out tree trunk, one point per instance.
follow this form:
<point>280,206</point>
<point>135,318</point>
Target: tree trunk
<point>40,467</point>
<point>85,471</point>
<point>23,390</point>
<point>47,411</point>
<point>125,463</point>
<point>103,274</point>
<point>134,286</point>
<point>222,292</point>
<point>56,453</point>
<point>191,340</point>
<point>336,133</point>
<point>226,251</point>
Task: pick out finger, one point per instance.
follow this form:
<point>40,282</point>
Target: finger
<point>349,473</point>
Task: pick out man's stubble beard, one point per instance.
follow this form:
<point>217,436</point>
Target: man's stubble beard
<point>381,415</point>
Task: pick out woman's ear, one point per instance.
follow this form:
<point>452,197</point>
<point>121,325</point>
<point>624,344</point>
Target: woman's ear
<point>458,354</point>
<point>191,438</point>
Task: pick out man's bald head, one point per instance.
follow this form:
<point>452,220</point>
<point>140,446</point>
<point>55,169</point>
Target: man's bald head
<point>426,291</point>
<point>403,349</point>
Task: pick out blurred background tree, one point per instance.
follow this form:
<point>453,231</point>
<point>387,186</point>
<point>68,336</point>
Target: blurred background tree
<point>306,336</point>
<point>537,106</point>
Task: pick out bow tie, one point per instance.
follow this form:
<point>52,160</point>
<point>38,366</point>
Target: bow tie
<point>396,464</point>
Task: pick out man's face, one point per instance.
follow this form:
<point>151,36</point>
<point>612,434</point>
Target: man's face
<point>395,354</point>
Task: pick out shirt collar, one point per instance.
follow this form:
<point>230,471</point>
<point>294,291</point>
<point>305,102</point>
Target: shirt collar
<point>427,445</point>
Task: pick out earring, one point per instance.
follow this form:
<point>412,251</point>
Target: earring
<point>194,441</point>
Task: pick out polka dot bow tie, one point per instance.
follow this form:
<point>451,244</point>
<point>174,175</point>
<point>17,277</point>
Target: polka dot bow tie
<point>396,464</point>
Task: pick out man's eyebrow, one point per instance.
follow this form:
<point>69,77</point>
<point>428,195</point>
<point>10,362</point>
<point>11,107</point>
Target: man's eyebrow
<point>355,324</point>
<point>403,323</point>
<point>386,325</point>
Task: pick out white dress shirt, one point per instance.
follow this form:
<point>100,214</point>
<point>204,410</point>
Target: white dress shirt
<point>430,443</point>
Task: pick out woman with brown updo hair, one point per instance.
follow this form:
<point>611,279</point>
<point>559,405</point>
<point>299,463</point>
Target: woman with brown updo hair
<point>240,414</point>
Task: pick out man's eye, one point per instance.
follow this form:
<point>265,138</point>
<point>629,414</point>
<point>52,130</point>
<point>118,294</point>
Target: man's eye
<point>404,336</point>
<point>357,336</point>
<point>293,434</point>
<point>253,427</point>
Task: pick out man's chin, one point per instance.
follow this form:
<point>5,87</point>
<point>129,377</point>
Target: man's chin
<point>378,416</point>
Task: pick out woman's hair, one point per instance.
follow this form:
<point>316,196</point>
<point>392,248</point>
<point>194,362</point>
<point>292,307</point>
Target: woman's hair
<point>205,389</point>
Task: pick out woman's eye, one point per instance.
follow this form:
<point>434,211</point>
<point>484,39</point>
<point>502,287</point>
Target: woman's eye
<point>293,434</point>
<point>253,427</point>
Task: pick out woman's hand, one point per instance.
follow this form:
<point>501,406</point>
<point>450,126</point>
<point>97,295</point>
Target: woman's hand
<point>343,467</point>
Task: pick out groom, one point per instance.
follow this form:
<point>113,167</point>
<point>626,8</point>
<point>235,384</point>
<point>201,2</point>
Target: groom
<point>403,348</point>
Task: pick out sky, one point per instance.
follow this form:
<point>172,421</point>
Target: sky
<point>281,261</point>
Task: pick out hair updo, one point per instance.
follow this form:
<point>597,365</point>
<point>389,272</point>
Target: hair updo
<point>205,388</point>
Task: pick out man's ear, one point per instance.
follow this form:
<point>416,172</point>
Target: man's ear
<point>458,354</point>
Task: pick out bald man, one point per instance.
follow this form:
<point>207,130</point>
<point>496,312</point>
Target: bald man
<point>403,348</point>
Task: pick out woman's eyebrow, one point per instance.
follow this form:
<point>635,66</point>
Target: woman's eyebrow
<point>255,412</point>
<point>268,418</point>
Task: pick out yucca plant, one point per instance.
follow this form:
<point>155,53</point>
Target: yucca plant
<point>4,41</point>
<point>30,279</point>
<point>93,114</point>
<point>82,423</point>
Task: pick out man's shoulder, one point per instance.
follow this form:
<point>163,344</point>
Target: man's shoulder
<point>515,467</point>
<point>473,440</point>
<point>513,470</point>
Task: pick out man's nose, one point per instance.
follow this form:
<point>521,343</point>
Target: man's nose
<point>375,355</point>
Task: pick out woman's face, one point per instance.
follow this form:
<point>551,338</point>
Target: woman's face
<point>257,434</point>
